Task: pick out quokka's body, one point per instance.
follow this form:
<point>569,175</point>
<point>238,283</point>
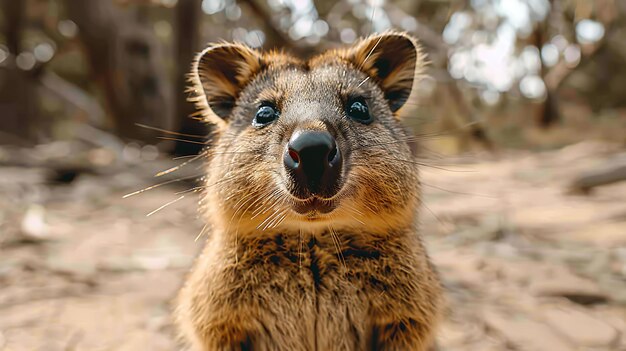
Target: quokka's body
<point>311,199</point>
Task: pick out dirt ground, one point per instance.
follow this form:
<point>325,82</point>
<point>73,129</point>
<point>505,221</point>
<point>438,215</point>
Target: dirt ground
<point>526,265</point>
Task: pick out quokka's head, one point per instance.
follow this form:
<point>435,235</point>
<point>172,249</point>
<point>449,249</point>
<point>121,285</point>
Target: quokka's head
<point>309,144</point>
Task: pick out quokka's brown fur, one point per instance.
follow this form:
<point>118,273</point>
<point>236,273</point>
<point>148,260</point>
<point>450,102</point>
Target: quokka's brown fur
<point>269,278</point>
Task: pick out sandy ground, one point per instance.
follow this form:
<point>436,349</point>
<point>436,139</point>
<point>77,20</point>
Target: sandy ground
<point>526,266</point>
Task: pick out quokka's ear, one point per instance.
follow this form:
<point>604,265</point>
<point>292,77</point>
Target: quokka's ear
<point>393,60</point>
<point>219,74</point>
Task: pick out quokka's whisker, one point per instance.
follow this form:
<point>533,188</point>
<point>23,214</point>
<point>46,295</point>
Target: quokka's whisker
<point>458,192</point>
<point>161,184</point>
<point>372,50</point>
<point>183,140</point>
<point>168,131</point>
<point>175,168</point>
<point>177,158</point>
<point>432,213</point>
<point>431,166</point>
<point>165,205</point>
<point>206,225</point>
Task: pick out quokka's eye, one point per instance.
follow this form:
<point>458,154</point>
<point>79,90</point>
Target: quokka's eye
<point>358,111</point>
<point>265,115</point>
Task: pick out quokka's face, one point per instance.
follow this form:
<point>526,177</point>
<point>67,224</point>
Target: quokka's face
<point>309,145</point>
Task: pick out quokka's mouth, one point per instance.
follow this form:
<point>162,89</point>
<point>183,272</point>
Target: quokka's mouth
<point>314,206</point>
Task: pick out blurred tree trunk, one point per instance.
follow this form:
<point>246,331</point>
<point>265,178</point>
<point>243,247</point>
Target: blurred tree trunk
<point>187,44</point>
<point>14,17</point>
<point>18,88</point>
<point>275,37</point>
<point>457,114</point>
<point>549,114</point>
<point>126,62</point>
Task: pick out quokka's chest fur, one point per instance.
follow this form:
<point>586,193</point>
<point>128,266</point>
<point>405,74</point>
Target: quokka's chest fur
<point>328,292</point>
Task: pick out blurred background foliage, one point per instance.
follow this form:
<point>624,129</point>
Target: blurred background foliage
<point>502,73</point>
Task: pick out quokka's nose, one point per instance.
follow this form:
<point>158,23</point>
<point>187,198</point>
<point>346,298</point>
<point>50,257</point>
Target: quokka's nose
<point>314,161</point>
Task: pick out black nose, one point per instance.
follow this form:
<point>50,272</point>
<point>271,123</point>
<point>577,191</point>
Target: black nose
<point>314,162</point>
